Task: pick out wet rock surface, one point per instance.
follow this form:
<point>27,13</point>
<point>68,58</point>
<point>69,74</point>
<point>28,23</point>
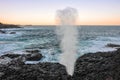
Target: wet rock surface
<point>2,32</point>
<point>12,55</point>
<point>32,51</point>
<point>98,66</point>
<point>31,55</point>
<point>40,71</point>
<point>34,55</point>
<point>112,45</point>
<point>12,32</point>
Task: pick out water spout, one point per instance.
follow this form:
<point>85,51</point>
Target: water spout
<point>67,32</point>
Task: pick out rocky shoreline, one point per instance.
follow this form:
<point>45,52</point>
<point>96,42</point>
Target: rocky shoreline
<point>98,66</point>
<point>2,26</point>
<point>91,66</point>
<point>13,67</point>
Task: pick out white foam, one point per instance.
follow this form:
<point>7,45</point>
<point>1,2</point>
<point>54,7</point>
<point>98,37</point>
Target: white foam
<point>99,45</point>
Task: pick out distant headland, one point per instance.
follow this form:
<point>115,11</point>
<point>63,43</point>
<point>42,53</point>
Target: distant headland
<point>2,25</point>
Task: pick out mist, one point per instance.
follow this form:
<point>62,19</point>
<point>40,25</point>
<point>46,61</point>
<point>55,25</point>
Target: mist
<point>68,34</point>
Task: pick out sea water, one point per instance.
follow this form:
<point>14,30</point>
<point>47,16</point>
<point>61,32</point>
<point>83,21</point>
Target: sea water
<point>43,38</point>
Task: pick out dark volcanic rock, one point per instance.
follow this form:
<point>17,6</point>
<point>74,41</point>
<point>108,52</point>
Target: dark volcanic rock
<point>41,71</point>
<point>32,51</point>
<point>16,69</point>
<point>11,55</point>
<point>91,66</point>
<point>8,26</point>
<point>12,32</point>
<point>112,45</point>
<point>98,66</point>
<point>33,56</point>
<point>3,32</point>
<point>5,60</point>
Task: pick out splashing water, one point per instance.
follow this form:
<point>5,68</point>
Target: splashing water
<point>67,33</point>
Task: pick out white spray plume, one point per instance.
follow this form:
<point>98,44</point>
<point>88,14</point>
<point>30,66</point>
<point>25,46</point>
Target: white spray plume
<point>67,32</point>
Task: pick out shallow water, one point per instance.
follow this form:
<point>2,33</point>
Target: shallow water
<point>91,39</point>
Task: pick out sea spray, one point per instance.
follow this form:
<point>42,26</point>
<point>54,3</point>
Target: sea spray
<point>67,32</point>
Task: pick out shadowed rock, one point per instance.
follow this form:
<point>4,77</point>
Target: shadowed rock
<point>12,32</point>
<point>40,71</point>
<point>32,51</point>
<point>8,26</point>
<point>33,56</point>
<point>11,55</point>
<point>2,32</point>
<point>113,45</point>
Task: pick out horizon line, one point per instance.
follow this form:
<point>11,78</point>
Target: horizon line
<point>75,25</point>
<point>58,24</point>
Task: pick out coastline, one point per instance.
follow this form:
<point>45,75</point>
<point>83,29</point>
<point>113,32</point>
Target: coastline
<point>91,66</point>
<point>98,66</point>
<point>2,26</point>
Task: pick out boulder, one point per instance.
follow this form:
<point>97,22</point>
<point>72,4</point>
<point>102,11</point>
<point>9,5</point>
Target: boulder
<point>12,32</point>
<point>33,55</point>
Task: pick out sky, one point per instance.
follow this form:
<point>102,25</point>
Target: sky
<point>43,12</point>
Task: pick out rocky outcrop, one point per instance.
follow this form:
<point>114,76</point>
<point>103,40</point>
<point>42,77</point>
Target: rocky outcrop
<point>112,45</point>
<point>98,66</point>
<point>91,66</point>
<point>12,32</point>
<point>40,71</point>
<point>5,60</point>
<point>2,32</point>
<point>13,67</point>
<point>33,56</point>
<point>11,55</point>
<point>32,51</point>
<point>8,26</point>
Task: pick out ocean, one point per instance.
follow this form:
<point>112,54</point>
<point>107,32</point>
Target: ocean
<point>43,38</point>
